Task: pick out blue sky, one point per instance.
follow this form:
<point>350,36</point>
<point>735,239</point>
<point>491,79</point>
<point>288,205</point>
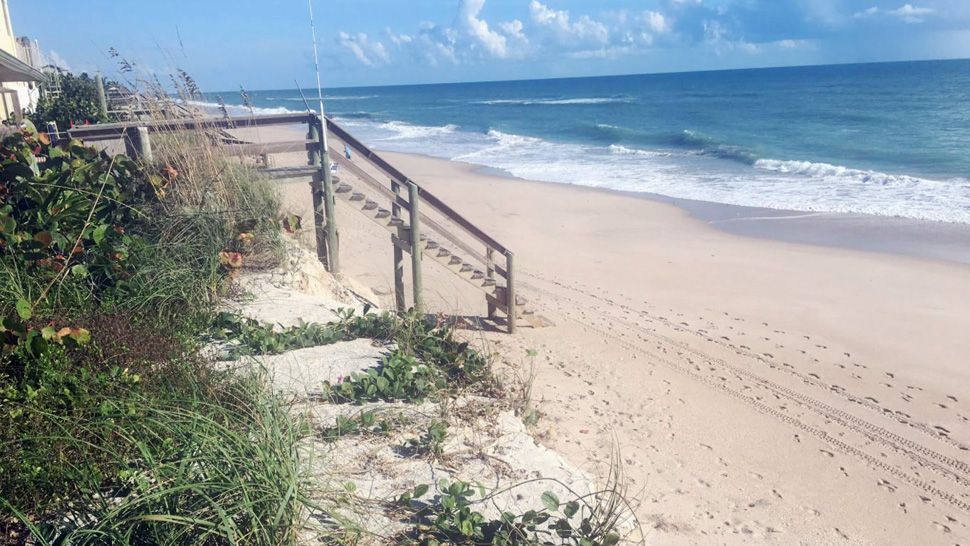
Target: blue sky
<point>265,44</point>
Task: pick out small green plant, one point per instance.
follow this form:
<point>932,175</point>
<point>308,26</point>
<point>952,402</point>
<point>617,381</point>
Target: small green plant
<point>399,377</point>
<point>252,337</point>
<point>366,422</point>
<point>432,442</point>
<point>452,519</point>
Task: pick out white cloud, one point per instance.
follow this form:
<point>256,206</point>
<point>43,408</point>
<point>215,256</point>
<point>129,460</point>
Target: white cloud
<point>721,40</point>
<point>53,58</point>
<point>367,52</point>
<point>907,13</point>
<point>580,34</point>
<point>656,22</point>
<point>868,12</point>
<point>546,33</point>
<point>478,30</point>
<point>911,14</point>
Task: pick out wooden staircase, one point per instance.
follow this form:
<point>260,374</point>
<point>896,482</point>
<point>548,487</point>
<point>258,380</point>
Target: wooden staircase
<point>450,258</point>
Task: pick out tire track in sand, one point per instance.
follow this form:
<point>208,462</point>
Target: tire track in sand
<point>954,470</point>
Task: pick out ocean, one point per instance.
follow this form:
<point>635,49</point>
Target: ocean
<point>889,139</point>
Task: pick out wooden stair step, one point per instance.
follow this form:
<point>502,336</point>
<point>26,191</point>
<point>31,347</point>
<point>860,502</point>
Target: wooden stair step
<point>396,222</point>
<point>455,260</point>
<point>488,282</point>
<point>443,252</point>
<point>344,188</point>
<point>383,213</point>
<point>430,245</point>
<point>357,197</point>
<point>477,275</point>
<point>465,267</point>
<point>369,205</point>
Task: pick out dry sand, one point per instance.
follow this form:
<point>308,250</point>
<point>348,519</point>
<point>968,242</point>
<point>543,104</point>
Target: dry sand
<point>759,391</point>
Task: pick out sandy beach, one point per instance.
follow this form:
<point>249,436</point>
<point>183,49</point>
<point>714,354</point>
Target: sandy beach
<point>758,390</point>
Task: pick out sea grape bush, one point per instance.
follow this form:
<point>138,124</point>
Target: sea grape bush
<point>66,211</point>
<point>77,103</point>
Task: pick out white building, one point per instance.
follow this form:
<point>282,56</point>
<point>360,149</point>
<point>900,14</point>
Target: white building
<point>19,79</point>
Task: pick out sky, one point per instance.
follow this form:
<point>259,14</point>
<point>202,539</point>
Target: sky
<point>266,44</point>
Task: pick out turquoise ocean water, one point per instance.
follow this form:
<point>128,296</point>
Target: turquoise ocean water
<point>885,139</point>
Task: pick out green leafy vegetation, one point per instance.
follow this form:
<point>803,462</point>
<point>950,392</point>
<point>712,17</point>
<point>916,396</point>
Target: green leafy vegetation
<point>363,423</point>
<point>432,442</point>
<point>452,518</point>
<point>115,430</point>
<point>76,104</point>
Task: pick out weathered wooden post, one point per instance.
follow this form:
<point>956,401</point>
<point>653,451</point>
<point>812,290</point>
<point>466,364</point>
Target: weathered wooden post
<point>329,202</point>
<point>510,289</point>
<point>416,247</point>
<point>138,144</point>
<point>399,302</point>
<point>490,275</point>
<point>102,97</point>
<point>316,191</point>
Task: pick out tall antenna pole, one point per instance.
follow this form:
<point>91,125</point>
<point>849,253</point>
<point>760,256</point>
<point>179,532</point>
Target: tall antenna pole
<point>331,236</point>
<point>316,66</point>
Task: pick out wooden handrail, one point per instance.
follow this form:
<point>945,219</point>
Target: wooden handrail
<point>105,131</point>
<point>424,194</point>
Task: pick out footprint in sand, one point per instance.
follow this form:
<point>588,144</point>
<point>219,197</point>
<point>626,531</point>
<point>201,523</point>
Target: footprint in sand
<point>887,485</point>
<point>827,453</point>
<point>846,474</point>
<point>941,527</point>
<point>952,398</point>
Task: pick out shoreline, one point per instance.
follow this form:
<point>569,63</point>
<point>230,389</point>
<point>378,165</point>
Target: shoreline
<point>947,242</point>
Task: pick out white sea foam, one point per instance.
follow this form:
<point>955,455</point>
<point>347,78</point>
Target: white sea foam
<point>790,185</point>
<point>406,131</point>
<point>623,150</point>
<point>325,97</point>
<point>239,110</point>
<point>556,102</point>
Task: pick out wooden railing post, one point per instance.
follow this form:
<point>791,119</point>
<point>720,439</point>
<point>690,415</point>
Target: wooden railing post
<point>316,192</point>
<point>510,289</point>
<point>416,247</point>
<point>324,199</point>
<point>102,97</point>
<point>490,275</point>
<point>138,144</point>
<point>399,302</point>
